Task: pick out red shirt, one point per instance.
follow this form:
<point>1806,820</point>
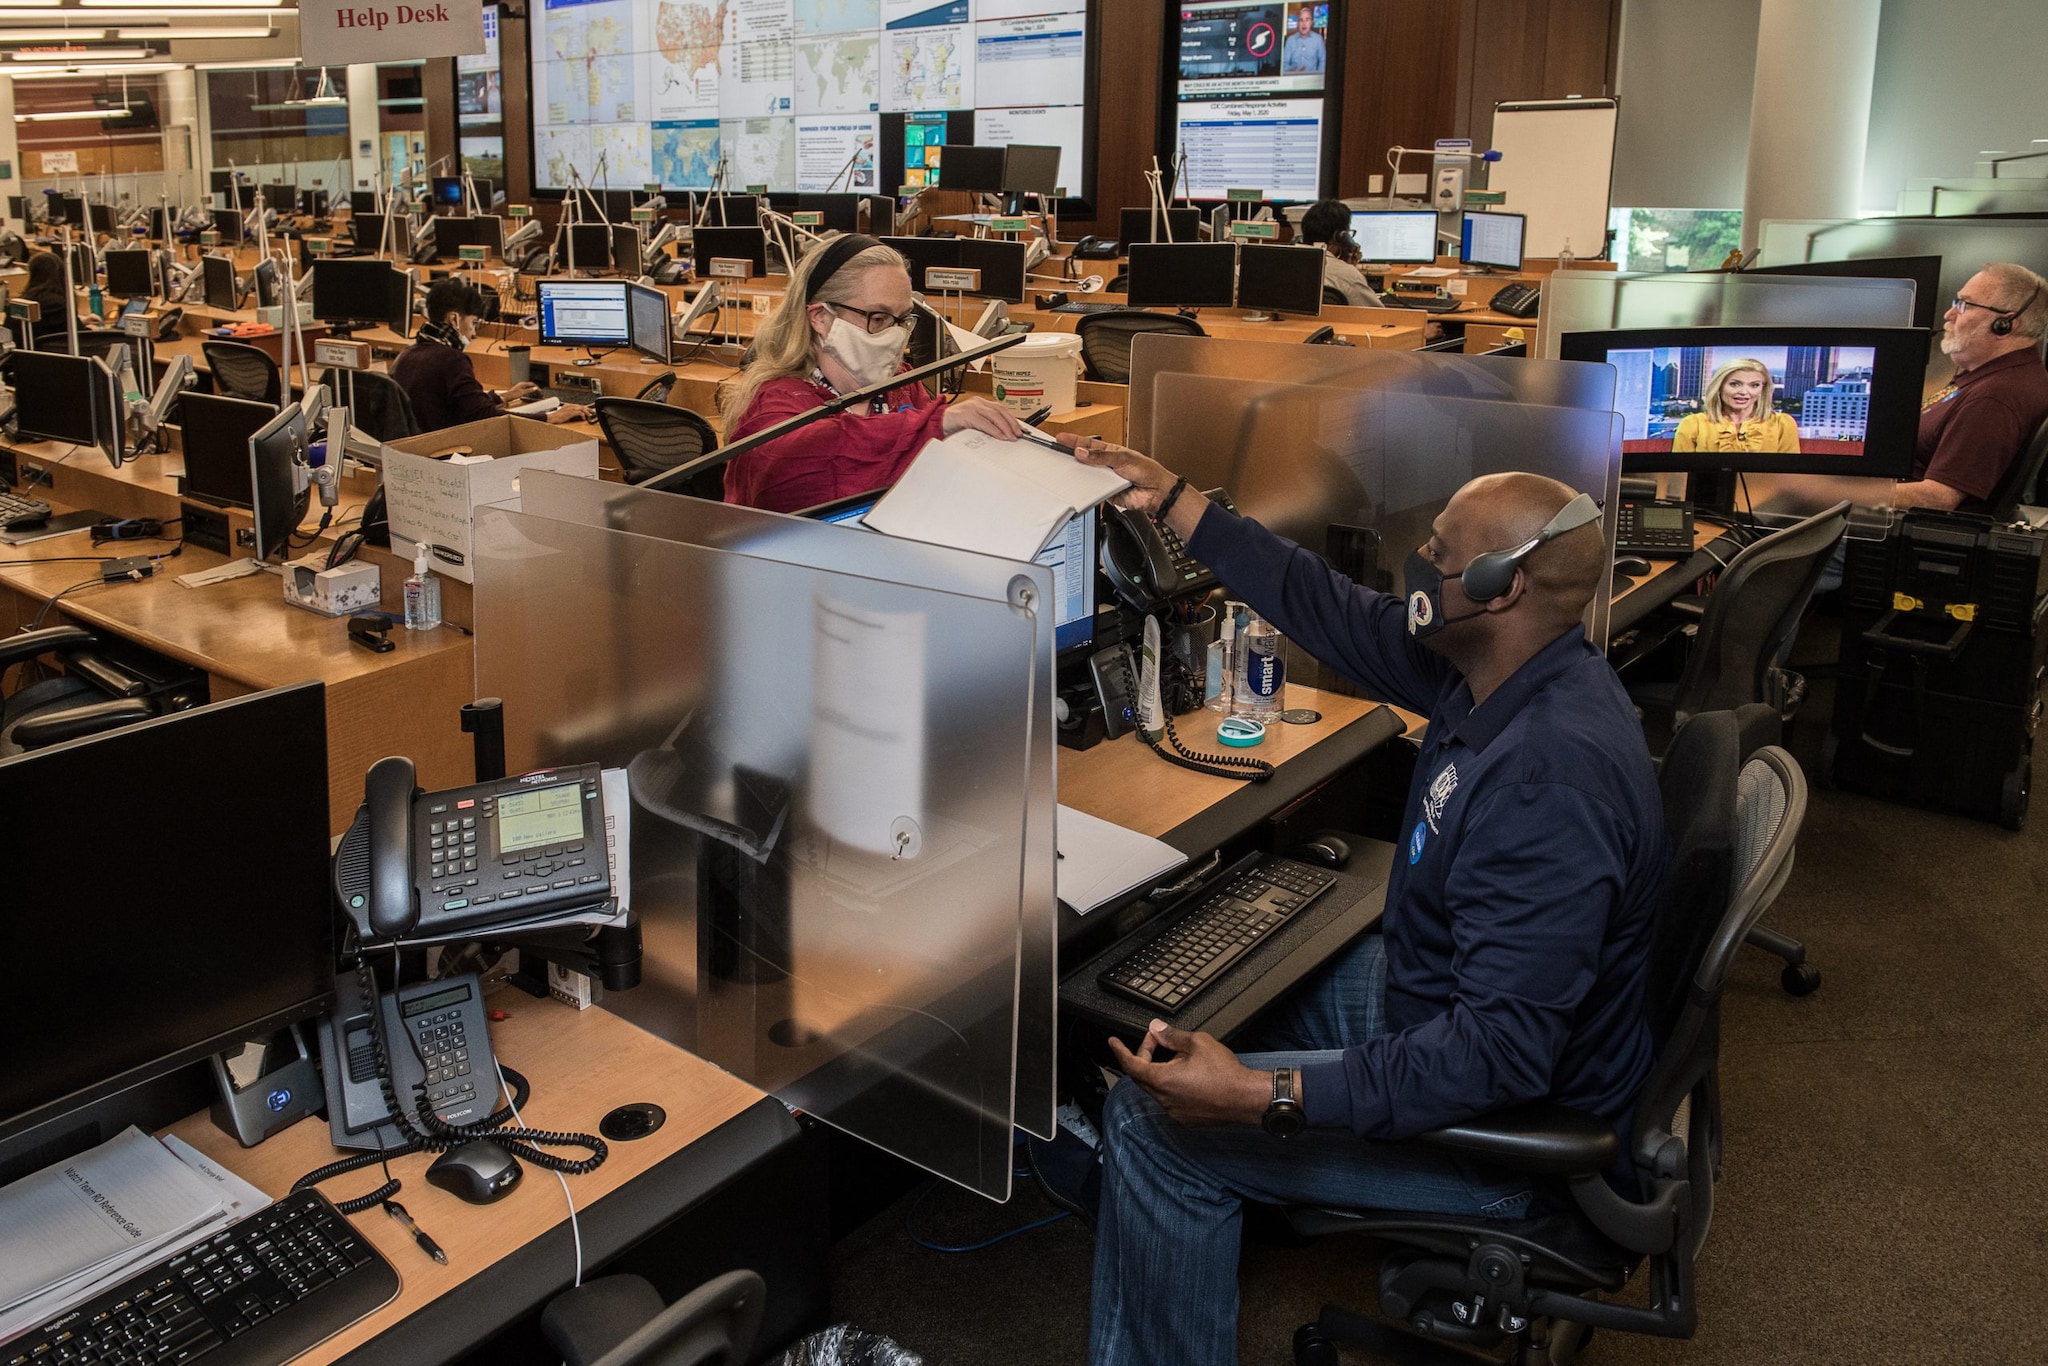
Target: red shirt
<point>1972,431</point>
<point>834,457</point>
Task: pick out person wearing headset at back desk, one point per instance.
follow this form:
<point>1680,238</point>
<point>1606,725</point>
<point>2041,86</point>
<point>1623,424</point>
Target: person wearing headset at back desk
<point>842,325</point>
<point>438,378</point>
<point>46,287</point>
<point>1515,947</point>
<point>1327,223</point>
<point>1972,430</point>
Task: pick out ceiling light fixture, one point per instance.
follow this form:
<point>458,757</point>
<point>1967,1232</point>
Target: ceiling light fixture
<point>72,73</point>
<point>11,11</point>
<point>169,34</point>
<point>53,115</point>
<point>50,35</point>
<point>177,6</point>
<point>79,54</point>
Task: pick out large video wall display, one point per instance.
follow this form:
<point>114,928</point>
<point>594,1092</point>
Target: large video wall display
<point>1250,90</point>
<point>796,95</point>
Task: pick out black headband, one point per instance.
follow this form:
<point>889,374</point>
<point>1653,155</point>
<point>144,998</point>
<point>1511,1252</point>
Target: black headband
<point>837,253</point>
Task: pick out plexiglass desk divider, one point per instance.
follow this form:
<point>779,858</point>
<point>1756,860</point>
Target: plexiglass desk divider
<point>1354,455</point>
<point>794,540</point>
<point>1603,301</point>
<point>833,803</point>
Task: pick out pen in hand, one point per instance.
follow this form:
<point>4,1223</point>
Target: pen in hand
<point>419,1235</point>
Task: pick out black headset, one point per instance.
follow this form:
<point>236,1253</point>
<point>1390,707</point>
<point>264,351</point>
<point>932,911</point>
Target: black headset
<point>2001,326</point>
<point>1492,574</point>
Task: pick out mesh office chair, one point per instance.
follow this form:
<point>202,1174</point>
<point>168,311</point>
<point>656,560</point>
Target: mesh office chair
<point>1473,1284</point>
<point>101,343</point>
<point>1334,295</point>
<point>620,1321</point>
<point>1106,339</point>
<point>104,685</point>
<point>2018,485</point>
<point>243,371</point>
<point>377,403</point>
<point>654,438</point>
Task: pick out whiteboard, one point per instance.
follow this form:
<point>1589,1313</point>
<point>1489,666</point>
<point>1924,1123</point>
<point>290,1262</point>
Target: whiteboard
<point>1557,166</point>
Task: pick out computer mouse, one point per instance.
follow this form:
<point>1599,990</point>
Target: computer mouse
<point>479,1171</point>
<point>1635,566</point>
<point>1323,848</point>
<point>27,522</point>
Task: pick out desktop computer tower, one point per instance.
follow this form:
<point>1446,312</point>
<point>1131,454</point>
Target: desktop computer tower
<point>1941,665</point>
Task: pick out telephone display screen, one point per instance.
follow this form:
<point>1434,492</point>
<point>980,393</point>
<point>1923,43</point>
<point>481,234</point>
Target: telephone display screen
<point>1661,519</point>
<point>548,816</point>
<point>421,1005</point>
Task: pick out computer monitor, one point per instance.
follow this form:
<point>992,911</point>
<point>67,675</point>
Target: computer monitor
<point>647,322</point>
<point>1001,264</point>
<point>352,290</point>
<point>218,273</point>
<point>1397,237</point>
<point>448,192</point>
<point>17,207</point>
<point>625,249</point>
<point>583,246</point>
<point>362,201</point>
<point>963,166</point>
<point>1280,279</point>
<point>1492,239</point>
<point>368,231</point>
<point>1923,271</point>
<point>1071,559</point>
<point>102,216</point>
<point>160,221</point>
<point>1135,225</point>
<point>215,432</point>
<point>485,192</point>
<point>401,290</point>
<point>920,254</point>
<point>313,203</point>
<point>618,204</point>
<point>283,198</point>
<point>1030,169</point>
<point>269,289</point>
<point>128,271</point>
<point>734,211</point>
<point>70,208</point>
<point>487,230</point>
<point>59,397</point>
<point>1183,274</point>
<point>194,956</point>
<point>584,313</point>
<point>221,182</point>
<point>748,244</point>
<point>228,224</point>
<point>839,212</point>
<point>1852,395</point>
<point>274,451</point>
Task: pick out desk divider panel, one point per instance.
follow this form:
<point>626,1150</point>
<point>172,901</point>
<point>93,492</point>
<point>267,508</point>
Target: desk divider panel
<point>1353,453</point>
<point>842,851</point>
<point>1603,301</point>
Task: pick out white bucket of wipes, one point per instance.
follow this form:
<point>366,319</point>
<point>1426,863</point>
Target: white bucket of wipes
<point>1038,372</point>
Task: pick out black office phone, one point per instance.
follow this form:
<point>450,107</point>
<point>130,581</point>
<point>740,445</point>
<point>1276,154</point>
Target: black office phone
<point>1657,527</point>
<point>1517,300</point>
<point>1147,564</point>
<point>436,1035</point>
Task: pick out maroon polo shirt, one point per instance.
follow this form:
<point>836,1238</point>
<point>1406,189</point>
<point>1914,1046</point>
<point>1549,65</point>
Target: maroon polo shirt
<point>1972,431</point>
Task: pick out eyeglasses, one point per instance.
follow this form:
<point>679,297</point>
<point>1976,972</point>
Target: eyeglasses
<point>877,319</point>
<point>1962,305</point>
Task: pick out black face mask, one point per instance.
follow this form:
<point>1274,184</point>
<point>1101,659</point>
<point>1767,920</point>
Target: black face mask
<point>1426,597</point>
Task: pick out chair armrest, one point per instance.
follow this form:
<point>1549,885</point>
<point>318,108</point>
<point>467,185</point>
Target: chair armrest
<point>77,722</point>
<point>29,644</point>
<point>1546,1139</point>
<point>1688,605</point>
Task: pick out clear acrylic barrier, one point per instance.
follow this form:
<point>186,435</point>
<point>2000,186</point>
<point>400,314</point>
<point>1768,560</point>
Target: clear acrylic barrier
<point>836,795</point>
<point>1354,453</point>
<point>1603,301</point>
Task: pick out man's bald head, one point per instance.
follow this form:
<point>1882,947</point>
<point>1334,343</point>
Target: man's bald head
<point>1502,511</point>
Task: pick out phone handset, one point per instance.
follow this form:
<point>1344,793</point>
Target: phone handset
<point>388,794</point>
<point>1147,564</point>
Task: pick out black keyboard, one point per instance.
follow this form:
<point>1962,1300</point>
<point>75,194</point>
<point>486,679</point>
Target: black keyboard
<point>14,509</point>
<point>265,1290</point>
<point>1425,303</point>
<point>1076,306</point>
<point>1246,905</point>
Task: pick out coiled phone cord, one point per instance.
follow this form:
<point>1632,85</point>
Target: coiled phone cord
<point>1241,768</point>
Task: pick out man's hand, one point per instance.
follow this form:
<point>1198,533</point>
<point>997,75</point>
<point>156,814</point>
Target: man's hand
<point>570,412</point>
<point>522,392</point>
<point>983,415</point>
<point>1203,1083</point>
<point>1150,481</point>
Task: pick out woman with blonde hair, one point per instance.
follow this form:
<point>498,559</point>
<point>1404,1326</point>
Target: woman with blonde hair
<point>1736,415</point>
<point>842,325</point>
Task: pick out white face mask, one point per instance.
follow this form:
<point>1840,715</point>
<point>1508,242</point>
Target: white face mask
<point>870,357</point>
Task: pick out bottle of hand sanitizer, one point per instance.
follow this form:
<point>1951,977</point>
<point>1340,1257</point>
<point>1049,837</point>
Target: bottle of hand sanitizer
<point>423,593</point>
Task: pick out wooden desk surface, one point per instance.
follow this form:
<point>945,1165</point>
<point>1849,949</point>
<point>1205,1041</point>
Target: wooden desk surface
<point>582,1064</point>
<point>1124,782</point>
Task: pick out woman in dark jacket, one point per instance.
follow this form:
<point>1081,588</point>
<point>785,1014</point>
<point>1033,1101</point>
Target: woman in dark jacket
<point>439,379</point>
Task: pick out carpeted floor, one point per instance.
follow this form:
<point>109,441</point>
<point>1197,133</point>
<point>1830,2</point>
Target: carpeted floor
<point>1882,1196</point>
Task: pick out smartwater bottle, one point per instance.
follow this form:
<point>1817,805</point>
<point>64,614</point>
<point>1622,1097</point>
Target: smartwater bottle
<point>1262,669</point>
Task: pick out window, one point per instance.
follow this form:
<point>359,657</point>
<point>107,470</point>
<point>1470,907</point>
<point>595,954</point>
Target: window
<point>1652,240</point>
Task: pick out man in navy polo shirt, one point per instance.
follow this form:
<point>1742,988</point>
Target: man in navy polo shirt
<point>1516,937</point>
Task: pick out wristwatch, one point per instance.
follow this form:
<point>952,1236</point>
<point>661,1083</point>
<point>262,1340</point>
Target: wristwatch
<point>1283,1118</point>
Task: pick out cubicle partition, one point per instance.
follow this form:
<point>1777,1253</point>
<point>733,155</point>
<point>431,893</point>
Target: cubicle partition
<point>1353,453</point>
<point>839,750</point>
<point>1603,301</point>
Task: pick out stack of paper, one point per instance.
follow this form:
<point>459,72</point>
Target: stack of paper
<point>73,1230</point>
<point>1100,861</point>
<point>973,491</point>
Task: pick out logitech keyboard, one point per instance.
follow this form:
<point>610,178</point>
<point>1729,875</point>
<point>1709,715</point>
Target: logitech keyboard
<point>1234,916</point>
<point>1078,306</point>
<point>287,1277</point>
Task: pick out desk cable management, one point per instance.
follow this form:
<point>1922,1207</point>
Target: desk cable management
<point>428,1133</point>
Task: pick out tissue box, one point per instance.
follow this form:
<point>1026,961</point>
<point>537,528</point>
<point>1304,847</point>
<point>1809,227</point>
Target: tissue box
<point>432,498</point>
<point>334,592</point>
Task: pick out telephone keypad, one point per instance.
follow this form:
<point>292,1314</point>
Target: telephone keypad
<point>444,1052</point>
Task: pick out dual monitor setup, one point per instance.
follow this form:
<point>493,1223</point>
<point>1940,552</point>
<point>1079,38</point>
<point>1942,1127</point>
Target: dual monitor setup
<point>1257,276</point>
<point>244,454</point>
<point>604,314</point>
<point>1409,237</point>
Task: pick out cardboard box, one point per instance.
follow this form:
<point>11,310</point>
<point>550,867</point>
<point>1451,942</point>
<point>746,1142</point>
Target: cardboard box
<point>434,500</point>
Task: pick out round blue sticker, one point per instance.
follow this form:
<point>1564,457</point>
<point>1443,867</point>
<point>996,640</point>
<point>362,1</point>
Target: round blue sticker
<point>1415,840</point>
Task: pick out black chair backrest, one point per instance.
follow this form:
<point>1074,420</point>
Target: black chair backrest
<point>99,343</point>
<point>1119,283</point>
<point>1334,295</point>
<point>243,371</point>
<point>1106,339</point>
<point>376,402</point>
<point>654,438</point>
<point>2018,484</point>
<point>1697,780</point>
<point>1754,612</point>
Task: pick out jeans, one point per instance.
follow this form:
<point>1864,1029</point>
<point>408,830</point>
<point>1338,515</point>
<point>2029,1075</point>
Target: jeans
<point>1166,1243</point>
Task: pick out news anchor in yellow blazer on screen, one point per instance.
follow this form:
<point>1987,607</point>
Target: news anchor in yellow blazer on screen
<point>1736,414</point>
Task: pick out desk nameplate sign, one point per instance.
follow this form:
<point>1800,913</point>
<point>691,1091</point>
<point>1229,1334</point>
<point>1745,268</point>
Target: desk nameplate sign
<point>1244,228</point>
<point>952,277</point>
<point>731,268</point>
<point>341,354</point>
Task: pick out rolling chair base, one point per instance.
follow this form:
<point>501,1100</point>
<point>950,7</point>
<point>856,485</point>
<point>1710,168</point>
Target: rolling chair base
<point>1315,1344</point>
